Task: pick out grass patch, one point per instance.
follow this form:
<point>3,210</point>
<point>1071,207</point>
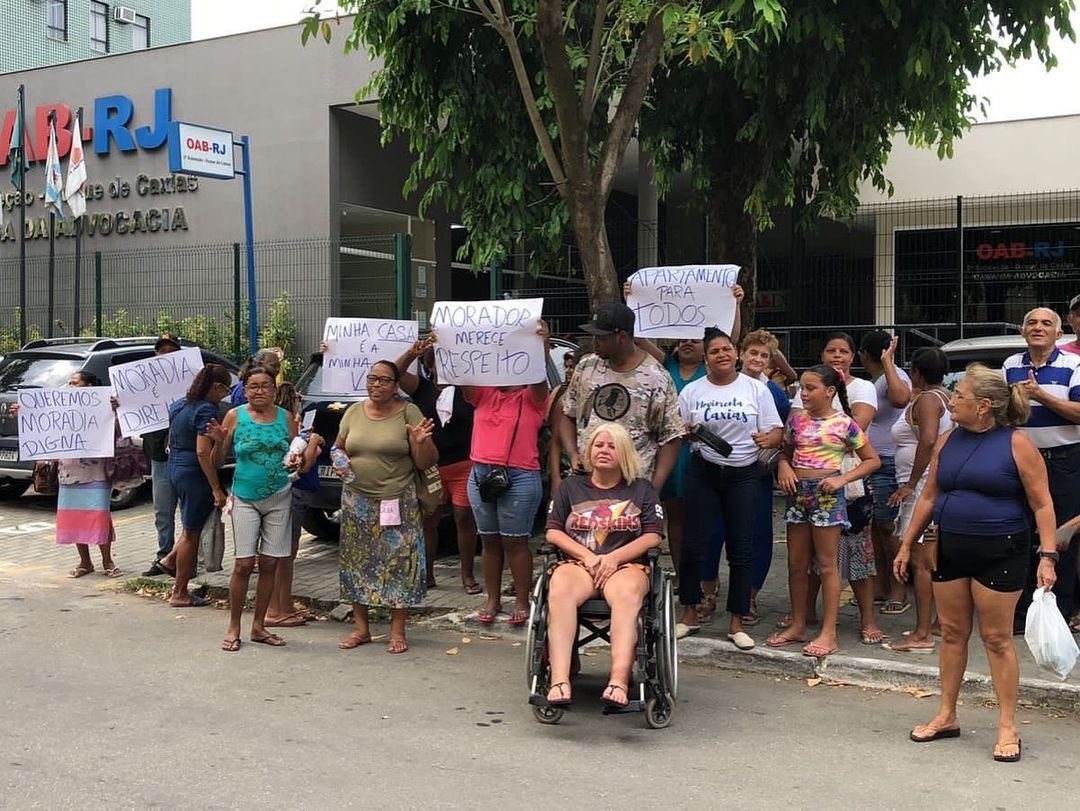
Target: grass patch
<point>146,586</point>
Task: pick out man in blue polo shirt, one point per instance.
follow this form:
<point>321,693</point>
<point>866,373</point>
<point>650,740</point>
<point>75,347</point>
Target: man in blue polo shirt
<point>1051,378</point>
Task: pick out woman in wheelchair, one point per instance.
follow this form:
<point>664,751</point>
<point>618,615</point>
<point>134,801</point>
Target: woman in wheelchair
<point>603,524</point>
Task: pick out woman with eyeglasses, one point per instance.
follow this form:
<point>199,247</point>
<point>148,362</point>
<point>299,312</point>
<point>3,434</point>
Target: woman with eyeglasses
<point>193,474</point>
<point>382,526</point>
<point>259,432</point>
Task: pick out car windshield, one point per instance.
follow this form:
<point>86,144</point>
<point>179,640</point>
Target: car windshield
<point>37,371</point>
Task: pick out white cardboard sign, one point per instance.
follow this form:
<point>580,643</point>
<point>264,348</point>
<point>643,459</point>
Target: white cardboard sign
<point>489,343</point>
<point>146,388</point>
<point>354,345</point>
<point>681,301</point>
<point>69,423</point>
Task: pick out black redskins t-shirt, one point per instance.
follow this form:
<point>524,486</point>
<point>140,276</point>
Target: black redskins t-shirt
<point>604,520</point>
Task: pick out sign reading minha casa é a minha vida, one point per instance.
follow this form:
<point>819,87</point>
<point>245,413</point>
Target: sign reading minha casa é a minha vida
<point>143,203</point>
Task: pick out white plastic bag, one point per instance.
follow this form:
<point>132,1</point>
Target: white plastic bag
<point>1048,636</point>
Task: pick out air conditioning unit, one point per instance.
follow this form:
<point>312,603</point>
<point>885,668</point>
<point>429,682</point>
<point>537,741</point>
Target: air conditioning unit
<point>123,14</point>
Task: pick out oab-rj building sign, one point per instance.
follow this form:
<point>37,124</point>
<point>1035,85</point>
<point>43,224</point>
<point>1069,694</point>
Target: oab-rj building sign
<point>140,203</point>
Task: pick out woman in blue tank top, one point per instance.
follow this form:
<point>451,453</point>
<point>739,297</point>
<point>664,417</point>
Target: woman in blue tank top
<point>259,433</point>
<point>986,479</point>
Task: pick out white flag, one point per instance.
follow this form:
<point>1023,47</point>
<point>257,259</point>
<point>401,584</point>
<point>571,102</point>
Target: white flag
<point>54,181</point>
<point>75,188</point>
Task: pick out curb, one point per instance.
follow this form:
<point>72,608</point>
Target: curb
<point>857,671</point>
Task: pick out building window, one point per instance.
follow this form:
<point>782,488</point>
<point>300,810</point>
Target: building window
<point>56,21</point>
<point>99,26</point>
<point>140,33</point>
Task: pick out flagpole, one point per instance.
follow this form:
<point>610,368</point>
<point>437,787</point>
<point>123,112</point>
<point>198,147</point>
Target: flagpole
<point>76,323</point>
<point>50,307</point>
<point>21,135</point>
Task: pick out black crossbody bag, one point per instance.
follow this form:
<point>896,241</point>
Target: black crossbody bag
<point>496,481</point>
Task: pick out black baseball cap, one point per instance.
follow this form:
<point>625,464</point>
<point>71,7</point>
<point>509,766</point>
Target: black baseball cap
<point>167,338</point>
<point>610,318</point>
<point>1074,303</point>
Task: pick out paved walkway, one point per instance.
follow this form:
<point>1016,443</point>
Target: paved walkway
<point>27,546</point>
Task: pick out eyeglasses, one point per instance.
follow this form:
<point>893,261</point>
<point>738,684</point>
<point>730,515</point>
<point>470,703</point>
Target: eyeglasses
<point>381,380</point>
<point>260,387</point>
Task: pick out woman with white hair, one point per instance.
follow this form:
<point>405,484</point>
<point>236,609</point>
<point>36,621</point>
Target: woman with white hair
<point>604,523</point>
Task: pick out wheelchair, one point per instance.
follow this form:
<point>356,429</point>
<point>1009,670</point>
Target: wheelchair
<point>655,673</point>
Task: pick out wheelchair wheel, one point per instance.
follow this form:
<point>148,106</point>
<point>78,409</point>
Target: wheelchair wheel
<point>547,715</point>
<point>667,654</point>
<point>658,711</point>
<point>533,630</point>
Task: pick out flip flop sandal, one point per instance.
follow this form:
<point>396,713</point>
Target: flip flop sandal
<point>906,646</point>
<point>113,571</point>
<point>485,616</point>
<point>894,607</point>
<point>80,571</point>
<point>611,702</point>
<point>473,588</point>
<point>273,640</point>
<point>230,645</point>
<point>196,602</point>
<point>818,652</point>
<point>560,702</point>
<point>779,641</point>
<point>1010,758</point>
<point>354,640</point>
<point>936,735</point>
<point>291,621</point>
<point>519,617</point>
<point>871,637</point>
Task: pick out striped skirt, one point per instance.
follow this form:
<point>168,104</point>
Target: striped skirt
<point>83,515</point>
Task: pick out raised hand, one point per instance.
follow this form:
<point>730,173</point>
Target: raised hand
<point>216,431</point>
<point>421,432</point>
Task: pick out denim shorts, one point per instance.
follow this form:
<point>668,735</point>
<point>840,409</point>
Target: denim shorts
<point>810,506</point>
<point>514,514</point>
<point>882,484</point>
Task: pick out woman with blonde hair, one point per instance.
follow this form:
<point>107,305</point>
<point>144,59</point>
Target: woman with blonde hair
<point>984,476</point>
<point>603,523</point>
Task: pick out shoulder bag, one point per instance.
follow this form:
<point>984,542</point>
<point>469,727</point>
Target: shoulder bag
<point>496,482</point>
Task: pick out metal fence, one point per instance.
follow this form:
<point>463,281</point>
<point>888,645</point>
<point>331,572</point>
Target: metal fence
<point>200,292</point>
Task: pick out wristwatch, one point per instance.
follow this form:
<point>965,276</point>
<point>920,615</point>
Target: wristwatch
<point>1054,556</point>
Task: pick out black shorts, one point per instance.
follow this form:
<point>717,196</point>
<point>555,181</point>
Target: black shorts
<point>999,562</point>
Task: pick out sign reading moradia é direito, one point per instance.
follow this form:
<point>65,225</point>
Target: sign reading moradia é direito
<point>132,217</point>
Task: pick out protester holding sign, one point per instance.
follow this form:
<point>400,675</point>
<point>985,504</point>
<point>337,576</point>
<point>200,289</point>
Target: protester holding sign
<point>351,346</point>
<point>505,489</point>
<point>382,550</point>
<point>144,388</point>
<point>192,474</point>
<point>452,418</point>
<point>683,301</point>
<point>83,509</point>
<point>623,383</point>
<point>489,343</point>
<point>260,432</point>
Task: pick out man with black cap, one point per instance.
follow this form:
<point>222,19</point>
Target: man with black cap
<point>622,383</point>
<point>155,444</point>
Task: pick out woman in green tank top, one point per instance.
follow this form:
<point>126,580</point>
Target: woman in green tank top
<point>259,433</point>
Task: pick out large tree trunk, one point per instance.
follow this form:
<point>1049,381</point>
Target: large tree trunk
<point>733,239</point>
<point>601,281</point>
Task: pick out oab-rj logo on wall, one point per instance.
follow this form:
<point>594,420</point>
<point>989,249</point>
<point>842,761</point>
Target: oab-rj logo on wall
<point>150,202</point>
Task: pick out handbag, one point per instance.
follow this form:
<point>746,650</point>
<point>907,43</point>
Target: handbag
<point>429,489</point>
<point>212,542</point>
<point>768,459</point>
<point>496,482</point>
<point>46,478</point>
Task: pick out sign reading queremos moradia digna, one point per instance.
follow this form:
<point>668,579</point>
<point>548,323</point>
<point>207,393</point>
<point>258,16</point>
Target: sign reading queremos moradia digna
<point>160,216</point>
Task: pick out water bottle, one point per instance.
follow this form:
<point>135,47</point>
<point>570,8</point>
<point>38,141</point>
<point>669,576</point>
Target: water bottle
<point>340,461</point>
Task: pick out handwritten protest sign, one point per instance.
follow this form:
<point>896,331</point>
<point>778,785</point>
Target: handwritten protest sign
<point>69,423</point>
<point>681,301</point>
<point>489,343</point>
<point>354,345</point>
<point>146,388</point>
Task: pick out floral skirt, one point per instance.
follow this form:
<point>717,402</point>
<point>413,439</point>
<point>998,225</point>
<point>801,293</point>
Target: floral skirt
<point>382,566</point>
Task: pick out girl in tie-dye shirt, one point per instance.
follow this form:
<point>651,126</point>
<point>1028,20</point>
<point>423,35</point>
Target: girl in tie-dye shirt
<point>810,472</point>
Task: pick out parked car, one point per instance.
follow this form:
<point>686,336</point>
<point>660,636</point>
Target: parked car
<point>49,363</point>
<point>990,350</point>
<point>329,408</point>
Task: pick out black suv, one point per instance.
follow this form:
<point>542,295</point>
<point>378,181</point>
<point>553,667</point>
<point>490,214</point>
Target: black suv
<point>49,363</point>
<point>329,408</point>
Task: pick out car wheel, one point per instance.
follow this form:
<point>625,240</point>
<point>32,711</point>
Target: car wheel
<point>13,488</point>
<point>318,523</point>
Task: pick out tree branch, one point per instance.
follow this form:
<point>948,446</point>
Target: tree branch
<point>633,96</point>
<point>572,129</point>
<point>495,14</point>
<point>589,97</point>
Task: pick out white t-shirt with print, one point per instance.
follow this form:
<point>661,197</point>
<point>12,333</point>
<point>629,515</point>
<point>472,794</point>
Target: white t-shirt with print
<point>734,412</point>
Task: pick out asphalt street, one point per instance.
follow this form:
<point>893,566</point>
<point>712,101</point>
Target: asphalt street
<point>113,700</point>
